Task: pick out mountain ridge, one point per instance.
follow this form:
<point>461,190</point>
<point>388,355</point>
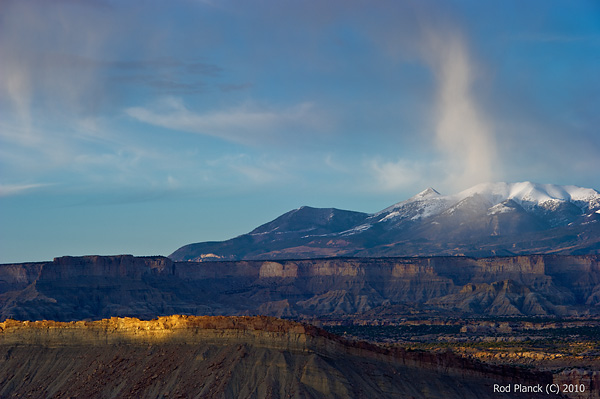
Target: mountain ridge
<point>485,220</point>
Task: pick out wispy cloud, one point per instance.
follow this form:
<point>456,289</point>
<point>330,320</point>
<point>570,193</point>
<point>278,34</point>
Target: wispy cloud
<point>66,58</point>
<point>394,176</point>
<point>250,169</point>
<point>462,138</point>
<point>246,124</point>
<point>7,190</point>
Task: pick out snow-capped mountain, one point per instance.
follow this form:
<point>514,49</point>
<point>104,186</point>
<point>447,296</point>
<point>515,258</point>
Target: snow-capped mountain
<point>530,196</point>
<point>426,203</point>
<point>487,219</point>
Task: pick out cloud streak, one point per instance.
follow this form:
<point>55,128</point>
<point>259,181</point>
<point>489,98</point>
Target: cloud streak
<point>246,124</point>
<point>7,190</point>
<point>252,170</point>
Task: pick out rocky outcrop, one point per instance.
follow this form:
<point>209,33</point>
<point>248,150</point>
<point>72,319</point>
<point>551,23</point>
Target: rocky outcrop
<point>501,298</point>
<point>94,287</point>
<point>228,357</point>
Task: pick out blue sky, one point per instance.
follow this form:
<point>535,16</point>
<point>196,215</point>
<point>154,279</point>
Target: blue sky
<point>137,127</point>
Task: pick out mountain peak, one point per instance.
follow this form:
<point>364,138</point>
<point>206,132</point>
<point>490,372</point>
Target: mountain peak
<point>430,201</point>
<point>428,193</point>
<point>308,219</point>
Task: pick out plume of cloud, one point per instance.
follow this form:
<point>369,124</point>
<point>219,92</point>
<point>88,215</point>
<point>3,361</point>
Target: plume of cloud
<point>462,133</point>
<point>463,140</point>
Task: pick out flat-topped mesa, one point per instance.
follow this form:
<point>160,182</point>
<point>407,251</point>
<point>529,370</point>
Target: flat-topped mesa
<point>173,329</point>
<point>259,331</point>
<point>172,323</point>
<point>228,357</point>
<point>115,266</point>
<point>177,329</point>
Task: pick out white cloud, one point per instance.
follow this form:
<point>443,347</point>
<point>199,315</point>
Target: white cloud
<point>335,165</point>
<point>7,190</point>
<point>463,134</point>
<point>463,145</point>
<point>407,175</point>
<point>250,169</point>
<point>394,176</point>
<point>246,124</point>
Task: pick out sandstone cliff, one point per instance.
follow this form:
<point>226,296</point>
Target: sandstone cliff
<point>93,287</point>
<point>228,357</point>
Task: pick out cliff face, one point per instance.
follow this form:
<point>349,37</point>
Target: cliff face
<point>93,287</point>
<point>227,357</point>
<point>86,287</point>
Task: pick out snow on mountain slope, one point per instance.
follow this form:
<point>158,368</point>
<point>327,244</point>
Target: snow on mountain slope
<point>558,205</point>
<point>484,220</point>
<point>427,203</point>
<point>529,194</point>
<point>424,195</point>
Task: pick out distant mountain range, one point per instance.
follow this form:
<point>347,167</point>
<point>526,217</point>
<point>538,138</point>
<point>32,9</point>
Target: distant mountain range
<point>489,219</point>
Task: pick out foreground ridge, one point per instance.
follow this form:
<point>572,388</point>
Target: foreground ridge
<point>227,357</point>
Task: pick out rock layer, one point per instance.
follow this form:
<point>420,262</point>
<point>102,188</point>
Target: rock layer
<point>94,287</point>
<point>228,357</point>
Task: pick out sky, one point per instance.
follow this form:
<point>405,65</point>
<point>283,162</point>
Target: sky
<point>136,127</point>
